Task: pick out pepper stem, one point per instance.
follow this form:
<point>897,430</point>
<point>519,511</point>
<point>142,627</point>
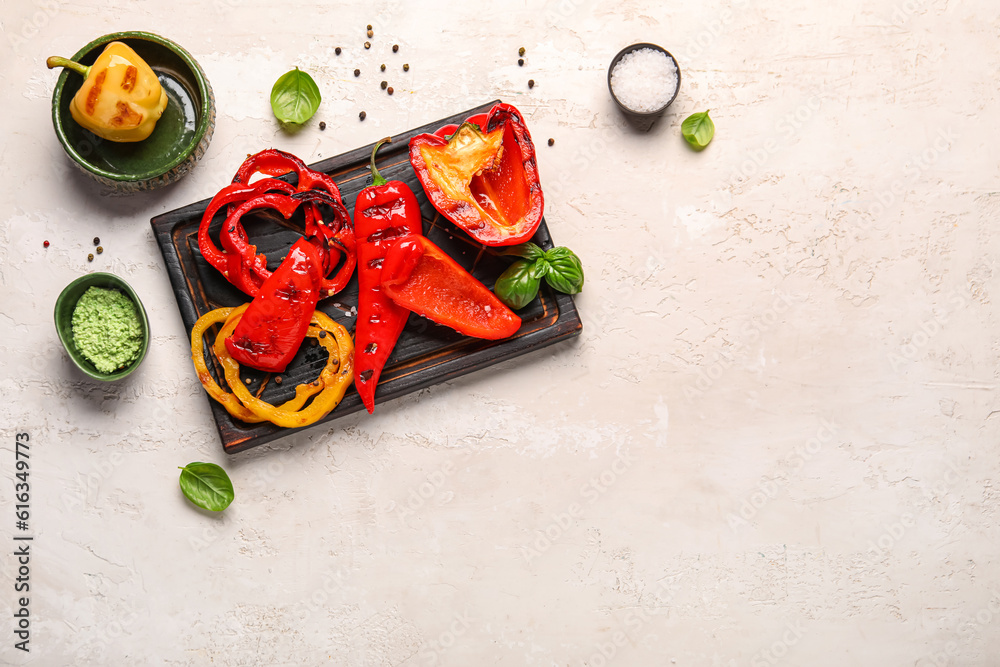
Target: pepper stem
<point>56,61</point>
<point>377,178</point>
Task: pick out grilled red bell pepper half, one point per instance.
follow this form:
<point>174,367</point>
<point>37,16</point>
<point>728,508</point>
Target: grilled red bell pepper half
<point>419,276</point>
<point>383,212</point>
<point>483,176</point>
<point>276,321</point>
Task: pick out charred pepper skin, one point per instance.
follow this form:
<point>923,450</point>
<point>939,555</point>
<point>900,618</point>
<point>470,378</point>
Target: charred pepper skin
<point>483,176</point>
<point>383,213</point>
<point>120,99</point>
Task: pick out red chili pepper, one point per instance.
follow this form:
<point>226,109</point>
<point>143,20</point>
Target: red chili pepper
<point>276,321</point>
<point>483,176</point>
<point>382,214</point>
<point>419,276</point>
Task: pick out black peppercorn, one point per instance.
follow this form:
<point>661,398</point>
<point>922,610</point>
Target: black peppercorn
<point>520,62</point>
<point>362,115</point>
<point>337,50</point>
<point>384,84</point>
<point>357,72</point>
<point>406,67</point>
<point>551,141</point>
<point>395,48</point>
<point>382,67</point>
<point>322,125</point>
<point>531,83</point>
<point>100,249</point>
<point>97,240</point>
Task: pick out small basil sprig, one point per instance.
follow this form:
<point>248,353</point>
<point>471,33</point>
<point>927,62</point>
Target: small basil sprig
<point>295,97</point>
<point>518,285</point>
<point>207,486</point>
<point>698,130</point>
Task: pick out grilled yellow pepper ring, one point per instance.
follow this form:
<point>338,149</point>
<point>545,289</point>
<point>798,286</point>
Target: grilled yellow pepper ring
<point>332,384</point>
<point>121,99</point>
<point>232,404</point>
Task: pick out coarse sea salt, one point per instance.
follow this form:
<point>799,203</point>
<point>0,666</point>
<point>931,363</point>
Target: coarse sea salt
<point>644,80</point>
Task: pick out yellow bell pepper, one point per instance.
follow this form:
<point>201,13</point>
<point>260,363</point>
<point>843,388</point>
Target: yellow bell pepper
<point>121,98</point>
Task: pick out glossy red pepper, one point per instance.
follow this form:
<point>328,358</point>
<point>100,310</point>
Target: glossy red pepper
<point>383,213</point>
<point>276,321</point>
<point>483,176</point>
<point>419,276</point>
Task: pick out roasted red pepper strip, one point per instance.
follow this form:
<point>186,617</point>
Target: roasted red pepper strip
<point>419,276</point>
<point>273,326</point>
<point>232,194</point>
<point>483,176</point>
<point>382,214</point>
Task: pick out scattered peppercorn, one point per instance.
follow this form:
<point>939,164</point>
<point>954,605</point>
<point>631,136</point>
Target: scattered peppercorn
<point>368,45</point>
<point>395,48</point>
<point>357,72</point>
<point>369,26</point>
<point>97,240</point>
<point>45,244</point>
<point>520,62</point>
<point>390,90</point>
<point>520,51</point>
<point>100,249</point>
<point>322,125</point>
<point>531,83</point>
<point>406,67</point>
<point>247,380</point>
<point>384,84</point>
<point>362,115</point>
<point>322,333</point>
<point>382,67</point>
<point>277,379</point>
<point>371,33</point>
<point>90,257</point>
<point>551,141</point>
<point>337,50</point>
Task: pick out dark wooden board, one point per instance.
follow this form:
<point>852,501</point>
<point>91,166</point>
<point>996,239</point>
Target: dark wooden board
<point>426,353</point>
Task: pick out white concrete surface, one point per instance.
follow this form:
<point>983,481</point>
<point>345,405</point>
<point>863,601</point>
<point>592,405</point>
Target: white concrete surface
<point>775,442</point>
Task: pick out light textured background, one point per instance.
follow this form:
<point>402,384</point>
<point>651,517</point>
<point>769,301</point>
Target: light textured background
<point>775,442</point>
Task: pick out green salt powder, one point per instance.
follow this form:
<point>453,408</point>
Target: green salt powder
<point>107,329</point>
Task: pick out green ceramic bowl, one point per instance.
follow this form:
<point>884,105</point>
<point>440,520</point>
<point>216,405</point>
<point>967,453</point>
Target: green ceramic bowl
<point>65,305</point>
<point>181,135</point>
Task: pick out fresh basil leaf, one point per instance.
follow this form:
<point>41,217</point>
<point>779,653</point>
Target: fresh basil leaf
<point>517,286</point>
<point>207,485</point>
<point>565,270</point>
<point>540,268</point>
<point>295,97</point>
<point>528,251</point>
<point>698,130</point>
